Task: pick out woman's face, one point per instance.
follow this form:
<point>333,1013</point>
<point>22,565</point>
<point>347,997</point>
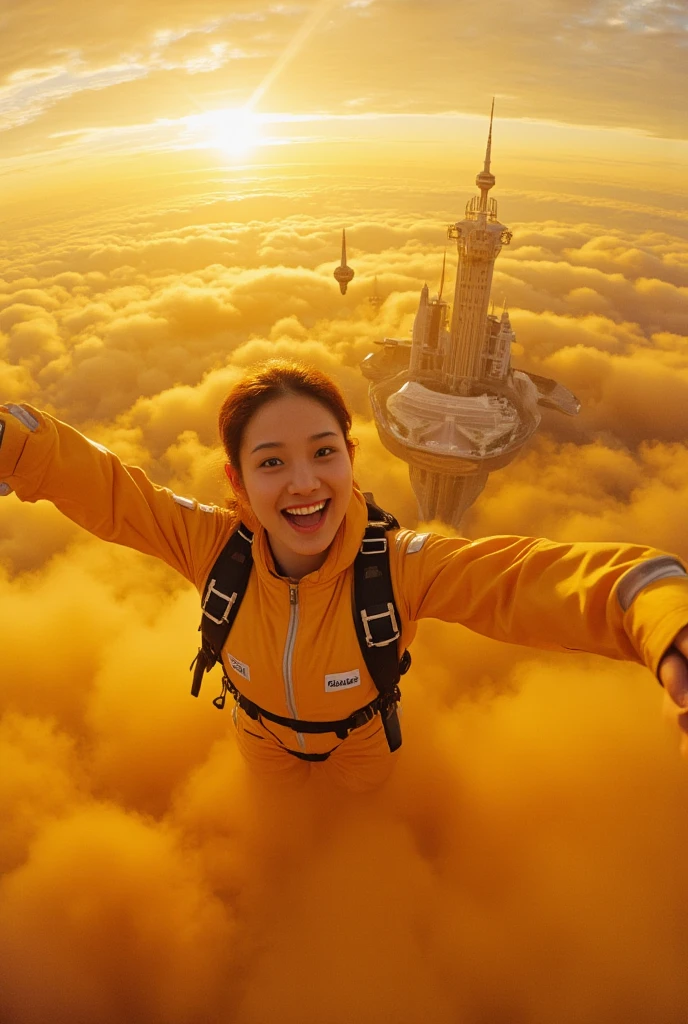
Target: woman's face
<point>297,476</point>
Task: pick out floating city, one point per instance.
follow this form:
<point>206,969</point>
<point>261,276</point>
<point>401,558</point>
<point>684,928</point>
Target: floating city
<point>448,401</point>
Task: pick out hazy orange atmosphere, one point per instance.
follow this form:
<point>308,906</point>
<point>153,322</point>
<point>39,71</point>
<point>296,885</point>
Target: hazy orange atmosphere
<point>174,179</point>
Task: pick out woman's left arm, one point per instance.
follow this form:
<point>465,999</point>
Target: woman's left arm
<point>620,600</point>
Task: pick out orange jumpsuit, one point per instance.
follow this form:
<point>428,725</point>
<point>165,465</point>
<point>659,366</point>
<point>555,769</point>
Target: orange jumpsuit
<point>290,637</point>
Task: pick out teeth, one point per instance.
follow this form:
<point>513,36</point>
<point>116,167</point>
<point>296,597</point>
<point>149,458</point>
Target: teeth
<point>305,510</point>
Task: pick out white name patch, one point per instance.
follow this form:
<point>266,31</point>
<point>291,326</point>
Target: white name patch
<point>238,666</point>
<point>342,681</point>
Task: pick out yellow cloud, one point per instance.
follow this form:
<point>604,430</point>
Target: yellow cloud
<point>147,877</point>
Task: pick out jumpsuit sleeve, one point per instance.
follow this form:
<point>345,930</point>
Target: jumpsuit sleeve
<point>43,458</point>
<point>537,593</point>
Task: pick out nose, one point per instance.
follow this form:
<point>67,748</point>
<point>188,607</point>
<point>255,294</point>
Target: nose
<point>304,479</point>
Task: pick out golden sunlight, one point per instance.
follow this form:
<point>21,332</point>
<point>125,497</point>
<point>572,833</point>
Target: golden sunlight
<point>234,131</point>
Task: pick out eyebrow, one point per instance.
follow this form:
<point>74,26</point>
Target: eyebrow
<point>280,444</point>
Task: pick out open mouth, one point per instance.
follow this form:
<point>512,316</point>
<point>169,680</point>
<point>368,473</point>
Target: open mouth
<point>307,518</point>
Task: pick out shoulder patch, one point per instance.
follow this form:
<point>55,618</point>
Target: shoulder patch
<point>185,502</point>
<point>99,446</point>
<point>25,417</point>
<point>417,543</point>
<point>206,508</point>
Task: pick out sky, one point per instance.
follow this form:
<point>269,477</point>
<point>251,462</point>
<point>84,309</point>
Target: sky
<point>174,180</point>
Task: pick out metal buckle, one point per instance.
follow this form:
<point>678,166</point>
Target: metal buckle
<point>380,550</point>
<point>225,597</point>
<point>380,615</point>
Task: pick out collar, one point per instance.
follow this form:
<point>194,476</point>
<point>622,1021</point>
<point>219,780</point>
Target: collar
<point>342,552</point>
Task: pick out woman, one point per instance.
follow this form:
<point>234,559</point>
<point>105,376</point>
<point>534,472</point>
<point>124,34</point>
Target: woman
<point>293,650</point>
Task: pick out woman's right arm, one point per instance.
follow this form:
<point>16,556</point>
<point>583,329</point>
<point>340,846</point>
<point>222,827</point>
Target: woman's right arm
<point>43,458</point>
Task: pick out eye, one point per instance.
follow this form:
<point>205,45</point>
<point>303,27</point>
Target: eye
<point>326,450</point>
<point>270,463</point>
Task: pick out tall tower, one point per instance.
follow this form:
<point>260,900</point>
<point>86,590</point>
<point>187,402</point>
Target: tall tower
<point>375,300</point>
<point>449,403</point>
<point>479,239</point>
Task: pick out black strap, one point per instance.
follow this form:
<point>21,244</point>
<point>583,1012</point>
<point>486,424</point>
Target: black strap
<point>340,727</point>
<point>224,591</point>
<point>308,757</point>
<point>376,616</point>
<point>377,619</point>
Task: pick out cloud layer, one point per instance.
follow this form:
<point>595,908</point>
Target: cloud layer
<point>535,831</point>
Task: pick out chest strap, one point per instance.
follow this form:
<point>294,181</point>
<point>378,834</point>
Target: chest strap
<point>341,727</point>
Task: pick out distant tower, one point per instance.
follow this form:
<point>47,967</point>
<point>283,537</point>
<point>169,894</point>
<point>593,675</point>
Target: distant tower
<point>343,275</point>
<point>375,300</point>
<point>479,238</point>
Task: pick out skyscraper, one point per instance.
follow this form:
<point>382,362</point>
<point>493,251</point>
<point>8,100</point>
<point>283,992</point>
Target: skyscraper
<point>449,402</point>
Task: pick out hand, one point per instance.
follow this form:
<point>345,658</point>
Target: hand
<point>673,675</point>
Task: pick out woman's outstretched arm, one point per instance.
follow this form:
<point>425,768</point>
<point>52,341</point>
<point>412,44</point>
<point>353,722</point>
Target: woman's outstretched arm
<point>43,458</point>
<point>623,601</point>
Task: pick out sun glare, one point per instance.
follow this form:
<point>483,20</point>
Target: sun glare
<point>235,132</point>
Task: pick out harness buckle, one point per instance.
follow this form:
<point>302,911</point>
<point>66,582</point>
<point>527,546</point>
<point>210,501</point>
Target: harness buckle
<point>380,615</point>
<point>374,546</point>
<point>212,590</point>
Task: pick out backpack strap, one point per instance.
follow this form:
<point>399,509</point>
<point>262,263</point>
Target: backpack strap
<point>376,617</point>
<point>222,596</point>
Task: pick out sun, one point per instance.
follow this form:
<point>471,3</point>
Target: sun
<point>235,132</point>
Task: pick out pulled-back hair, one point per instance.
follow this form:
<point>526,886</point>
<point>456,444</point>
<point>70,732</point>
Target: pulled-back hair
<point>277,379</point>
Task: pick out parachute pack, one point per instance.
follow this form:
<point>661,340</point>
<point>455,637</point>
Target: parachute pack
<point>376,618</point>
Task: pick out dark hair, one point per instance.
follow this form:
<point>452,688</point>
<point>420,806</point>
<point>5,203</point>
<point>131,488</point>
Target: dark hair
<point>276,379</point>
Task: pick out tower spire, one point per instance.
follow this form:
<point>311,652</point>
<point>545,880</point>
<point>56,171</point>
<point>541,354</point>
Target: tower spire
<point>486,179</point>
<point>444,263</point>
<point>343,263</point>
<point>488,151</point>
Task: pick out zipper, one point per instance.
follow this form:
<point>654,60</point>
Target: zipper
<point>288,658</point>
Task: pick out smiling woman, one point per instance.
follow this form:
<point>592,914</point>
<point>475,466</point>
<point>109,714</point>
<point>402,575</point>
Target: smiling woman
<point>302,651</point>
<point>286,434</point>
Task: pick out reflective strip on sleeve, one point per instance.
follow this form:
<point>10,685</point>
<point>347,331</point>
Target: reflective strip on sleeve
<point>184,502</point>
<point>29,421</point>
<point>417,543</point>
<point>636,579</point>
<point>99,446</point>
